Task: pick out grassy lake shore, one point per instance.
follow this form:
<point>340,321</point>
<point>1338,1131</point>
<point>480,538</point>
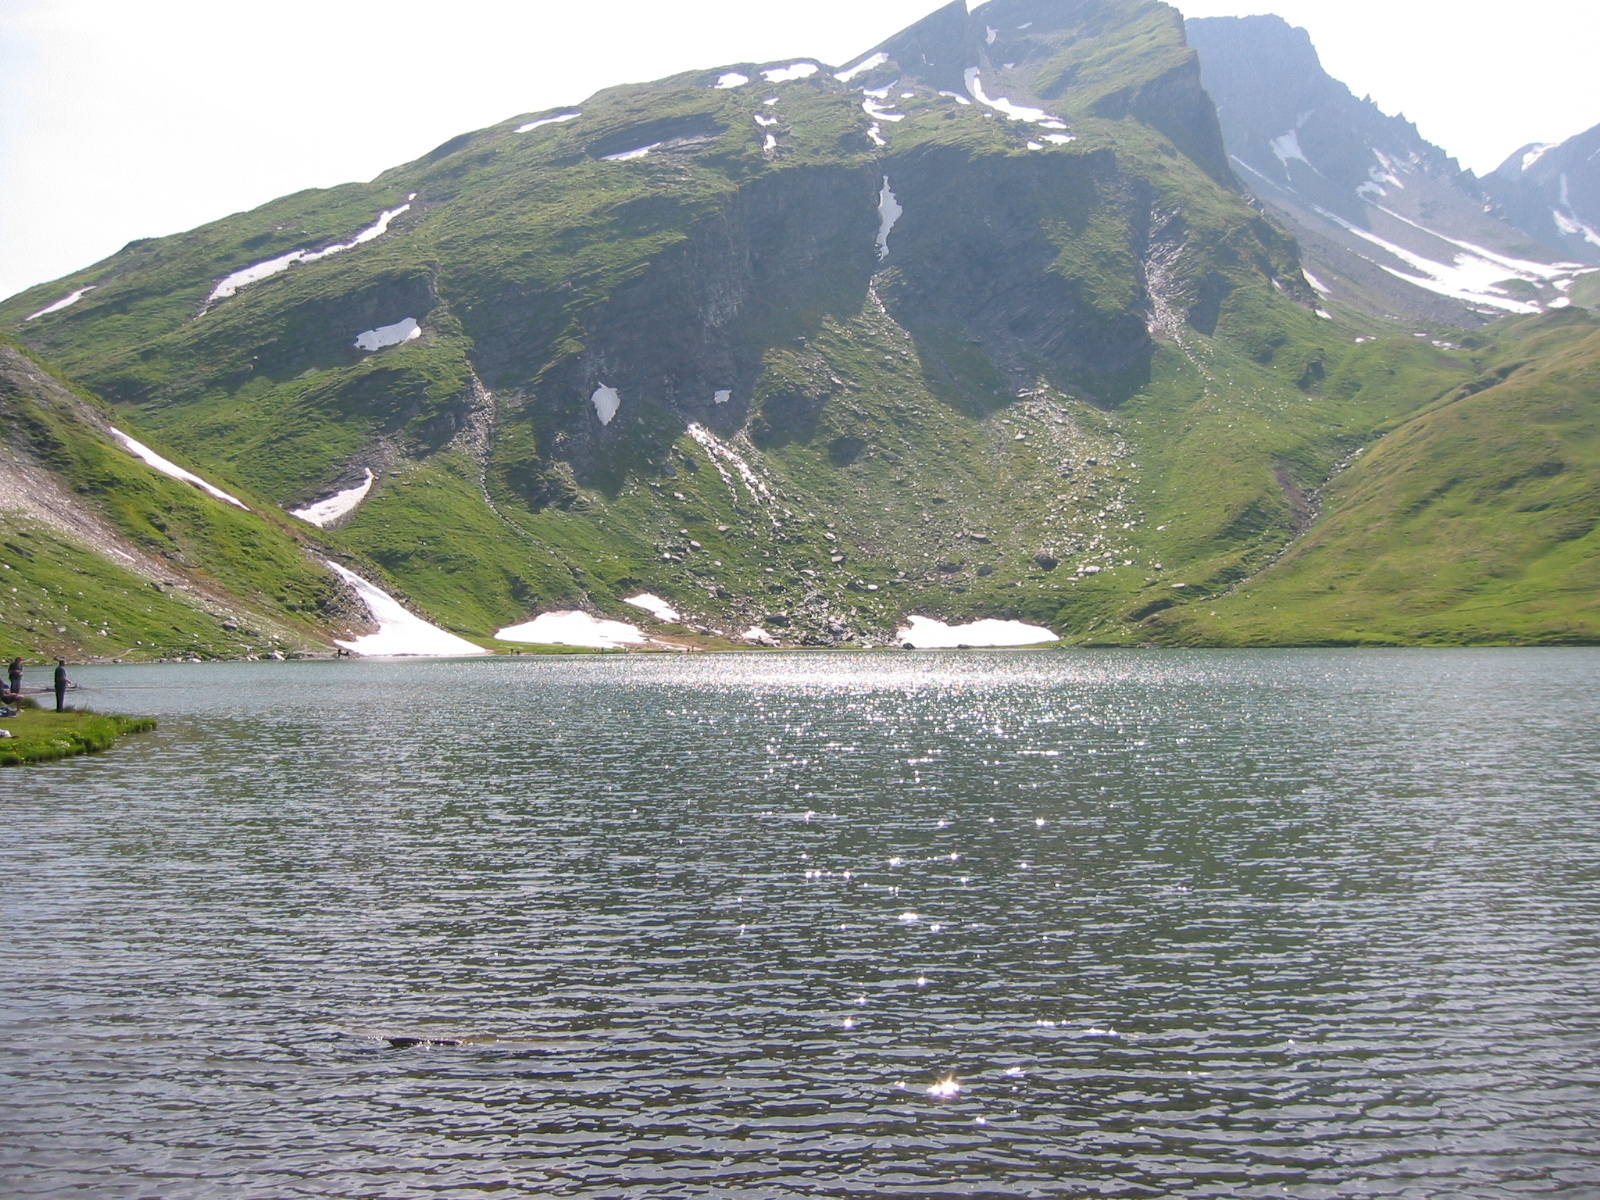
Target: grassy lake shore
<point>39,736</point>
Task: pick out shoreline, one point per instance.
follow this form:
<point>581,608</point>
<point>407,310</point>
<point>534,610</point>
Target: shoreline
<point>665,652</point>
<point>38,736</point>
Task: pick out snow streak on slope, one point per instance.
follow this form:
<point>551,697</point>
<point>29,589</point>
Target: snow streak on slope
<point>543,121</point>
<point>721,453</point>
<point>231,285</point>
<point>1017,112</point>
<point>324,512</point>
<point>871,63</point>
<point>889,212</point>
<point>1471,277</point>
<point>630,155</point>
<point>168,467</point>
<point>66,301</point>
<point>401,633</point>
<point>654,605</point>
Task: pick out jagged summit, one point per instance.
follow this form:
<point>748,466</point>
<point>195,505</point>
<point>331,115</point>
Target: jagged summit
<point>1388,222</point>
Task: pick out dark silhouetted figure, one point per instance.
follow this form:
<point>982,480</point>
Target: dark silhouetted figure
<point>61,685</point>
<point>16,675</point>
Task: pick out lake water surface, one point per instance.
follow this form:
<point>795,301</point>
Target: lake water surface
<point>1310,924</point>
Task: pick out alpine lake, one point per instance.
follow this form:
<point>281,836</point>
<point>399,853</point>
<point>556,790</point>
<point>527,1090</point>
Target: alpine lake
<point>895,924</point>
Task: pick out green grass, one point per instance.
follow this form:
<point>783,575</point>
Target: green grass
<point>38,736</point>
<point>1471,521</point>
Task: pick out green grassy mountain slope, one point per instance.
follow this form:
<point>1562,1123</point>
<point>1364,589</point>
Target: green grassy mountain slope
<point>980,325</point>
<point>102,556</point>
<point>1471,520</point>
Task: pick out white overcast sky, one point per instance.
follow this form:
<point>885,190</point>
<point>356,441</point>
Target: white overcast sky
<point>134,118</point>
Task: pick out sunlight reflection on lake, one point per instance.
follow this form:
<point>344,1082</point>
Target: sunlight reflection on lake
<point>1020,923</point>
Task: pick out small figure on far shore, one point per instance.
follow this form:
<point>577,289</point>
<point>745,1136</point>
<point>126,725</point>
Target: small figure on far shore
<point>62,683</point>
<point>15,672</point>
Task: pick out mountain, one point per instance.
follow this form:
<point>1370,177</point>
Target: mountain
<point>1552,193</point>
<point>981,324</point>
<point>1388,223</point>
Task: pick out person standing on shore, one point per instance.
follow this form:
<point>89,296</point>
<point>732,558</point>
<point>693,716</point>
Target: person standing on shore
<point>16,675</point>
<point>61,685</point>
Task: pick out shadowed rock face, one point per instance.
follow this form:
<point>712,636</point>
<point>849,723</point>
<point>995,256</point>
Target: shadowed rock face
<point>772,261</point>
<point>971,260</point>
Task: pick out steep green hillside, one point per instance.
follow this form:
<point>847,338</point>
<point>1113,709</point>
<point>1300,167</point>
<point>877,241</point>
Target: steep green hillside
<point>101,556</point>
<point>981,325</point>
<point>1472,520</point>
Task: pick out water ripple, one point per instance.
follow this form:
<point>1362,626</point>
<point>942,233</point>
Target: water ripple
<point>1196,925</point>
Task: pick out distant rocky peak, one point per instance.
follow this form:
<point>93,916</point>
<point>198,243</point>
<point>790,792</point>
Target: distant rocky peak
<point>1551,191</point>
<point>1389,222</point>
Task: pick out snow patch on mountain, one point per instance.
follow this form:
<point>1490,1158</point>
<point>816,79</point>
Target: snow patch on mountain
<point>732,80</point>
<point>1286,149</point>
<point>401,633</point>
<point>168,467</point>
<point>232,284</point>
<point>871,63</point>
<point>1017,112</point>
<point>655,606</point>
<point>875,110</point>
<point>66,301</point>
<point>1381,178</point>
<point>926,633</point>
<point>765,121</point>
<point>543,121</point>
<point>630,155</point>
<point>722,397</point>
<point>606,401</point>
<point>889,212</point>
<point>1470,277</point>
<point>574,629</point>
<point>324,512</point>
<point>1536,153</point>
<point>1568,224</point>
<point>800,70</point>
<point>384,336</point>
